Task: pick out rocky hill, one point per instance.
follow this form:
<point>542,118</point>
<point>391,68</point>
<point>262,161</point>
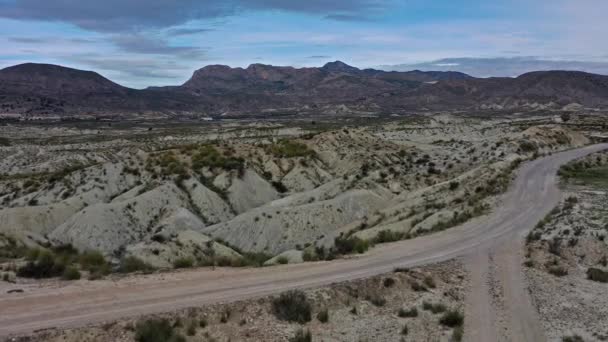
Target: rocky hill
<point>336,88</point>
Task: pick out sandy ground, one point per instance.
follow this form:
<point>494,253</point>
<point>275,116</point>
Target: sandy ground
<point>533,194</point>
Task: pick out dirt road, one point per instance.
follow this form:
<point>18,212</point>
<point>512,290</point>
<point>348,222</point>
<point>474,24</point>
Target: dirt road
<point>499,235</point>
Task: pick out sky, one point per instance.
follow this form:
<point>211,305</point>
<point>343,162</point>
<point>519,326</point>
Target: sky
<point>140,43</point>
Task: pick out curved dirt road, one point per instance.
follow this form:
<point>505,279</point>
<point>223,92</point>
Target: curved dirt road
<point>532,196</point>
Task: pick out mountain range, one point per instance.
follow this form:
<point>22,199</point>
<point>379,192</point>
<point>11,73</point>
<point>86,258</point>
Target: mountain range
<point>336,88</point>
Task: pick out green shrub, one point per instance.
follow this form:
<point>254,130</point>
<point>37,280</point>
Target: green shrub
<point>323,316</point>
<point>183,263</point>
<point>71,273</point>
<point>405,330</point>
<point>292,306</point>
<point>413,312</point>
<point>132,264</point>
<point>596,274</point>
<point>282,260</point>
<point>573,338</point>
<point>452,318</point>
<point>156,330</point>
<point>350,245</point>
<point>434,308</point>
<point>301,336</point>
<point>44,266</point>
<point>94,262</point>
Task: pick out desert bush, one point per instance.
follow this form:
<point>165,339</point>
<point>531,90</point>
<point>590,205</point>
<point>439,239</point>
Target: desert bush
<point>598,275</point>
<point>388,282</point>
<point>132,264</point>
<point>457,334</point>
<point>282,260</point>
<point>376,299</point>
<point>323,316</point>
<point>429,282</point>
<point>350,245</point>
<point>45,265</point>
<point>385,236</point>
<point>405,330</point>
<point>183,263</point>
<point>94,262</point>
<point>452,318</point>
<point>413,312</point>
<point>156,330</point>
<point>71,273</point>
<point>572,338</point>
<point>434,308</point>
<point>301,336</point>
<point>416,286</point>
<point>279,186</point>
<point>558,271</point>
<point>292,306</point>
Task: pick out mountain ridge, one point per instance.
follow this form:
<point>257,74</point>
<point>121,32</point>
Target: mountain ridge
<point>46,89</point>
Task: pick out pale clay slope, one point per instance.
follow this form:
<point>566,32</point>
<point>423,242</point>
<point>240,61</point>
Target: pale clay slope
<point>112,210</point>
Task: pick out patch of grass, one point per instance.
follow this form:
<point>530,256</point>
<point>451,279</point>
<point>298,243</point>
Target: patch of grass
<point>452,319</point>
<point>598,275</point>
<point>156,330</point>
<point>292,306</point>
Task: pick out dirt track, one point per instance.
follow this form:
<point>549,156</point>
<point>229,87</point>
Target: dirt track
<point>491,243</point>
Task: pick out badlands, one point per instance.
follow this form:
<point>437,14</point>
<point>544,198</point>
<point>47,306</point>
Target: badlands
<point>82,203</point>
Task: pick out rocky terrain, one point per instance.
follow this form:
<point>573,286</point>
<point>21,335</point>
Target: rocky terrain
<point>407,305</point>
<point>39,91</point>
<point>247,196</point>
<point>566,254</point>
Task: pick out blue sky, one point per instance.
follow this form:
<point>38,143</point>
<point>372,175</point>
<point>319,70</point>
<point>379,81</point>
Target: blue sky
<point>159,42</point>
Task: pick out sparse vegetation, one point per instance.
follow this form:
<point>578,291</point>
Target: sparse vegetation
<point>290,149</point>
<point>156,330</point>
<point>292,306</point>
<point>597,274</point>
<point>413,312</point>
<point>452,319</point>
<point>301,336</point>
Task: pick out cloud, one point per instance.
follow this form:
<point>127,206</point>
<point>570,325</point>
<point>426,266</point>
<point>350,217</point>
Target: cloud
<point>187,31</point>
<point>140,44</point>
<point>502,66</point>
<point>319,57</point>
<point>137,15</point>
